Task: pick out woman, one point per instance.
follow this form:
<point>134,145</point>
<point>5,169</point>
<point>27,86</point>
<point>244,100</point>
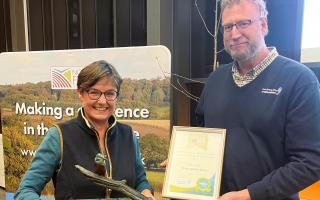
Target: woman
<point>78,141</point>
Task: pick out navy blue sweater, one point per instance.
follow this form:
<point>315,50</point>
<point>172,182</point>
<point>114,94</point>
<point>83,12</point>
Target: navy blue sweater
<point>273,129</point>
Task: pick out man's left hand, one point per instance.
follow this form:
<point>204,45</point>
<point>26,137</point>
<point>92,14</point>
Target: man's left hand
<point>238,195</point>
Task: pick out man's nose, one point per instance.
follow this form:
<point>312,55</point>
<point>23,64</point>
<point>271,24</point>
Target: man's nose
<point>235,33</point>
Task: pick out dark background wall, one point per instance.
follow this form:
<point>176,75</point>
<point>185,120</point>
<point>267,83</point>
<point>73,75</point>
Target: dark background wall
<point>5,26</point>
<point>74,24</point>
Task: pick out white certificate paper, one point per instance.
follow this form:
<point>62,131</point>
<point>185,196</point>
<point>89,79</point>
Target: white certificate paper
<point>195,163</point>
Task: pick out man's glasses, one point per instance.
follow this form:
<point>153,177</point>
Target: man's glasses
<point>95,94</point>
<point>243,24</point>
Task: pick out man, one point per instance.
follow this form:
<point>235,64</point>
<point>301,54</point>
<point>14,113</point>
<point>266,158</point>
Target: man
<point>270,106</point>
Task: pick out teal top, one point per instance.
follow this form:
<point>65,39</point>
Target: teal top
<point>47,160</point>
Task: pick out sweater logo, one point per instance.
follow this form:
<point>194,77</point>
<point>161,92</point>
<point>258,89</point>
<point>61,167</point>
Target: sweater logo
<point>271,91</point>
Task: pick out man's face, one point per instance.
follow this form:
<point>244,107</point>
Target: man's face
<point>246,40</point>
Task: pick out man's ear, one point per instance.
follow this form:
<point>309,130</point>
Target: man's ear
<point>264,25</point>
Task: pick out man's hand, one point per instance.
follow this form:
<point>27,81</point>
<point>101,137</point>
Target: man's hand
<point>147,193</point>
<point>238,195</point>
<point>164,163</point>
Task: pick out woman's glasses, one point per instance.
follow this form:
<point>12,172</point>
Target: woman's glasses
<point>95,94</point>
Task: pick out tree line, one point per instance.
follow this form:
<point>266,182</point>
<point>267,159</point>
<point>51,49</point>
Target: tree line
<point>153,94</point>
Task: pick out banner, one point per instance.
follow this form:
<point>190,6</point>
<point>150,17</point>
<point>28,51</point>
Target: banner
<point>37,89</point>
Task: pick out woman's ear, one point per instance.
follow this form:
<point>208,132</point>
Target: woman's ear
<point>79,93</point>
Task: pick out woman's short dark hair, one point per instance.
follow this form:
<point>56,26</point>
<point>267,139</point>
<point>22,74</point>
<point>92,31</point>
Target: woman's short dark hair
<point>96,71</point>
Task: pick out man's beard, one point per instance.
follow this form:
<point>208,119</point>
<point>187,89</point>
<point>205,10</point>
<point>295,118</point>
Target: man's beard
<point>250,52</point>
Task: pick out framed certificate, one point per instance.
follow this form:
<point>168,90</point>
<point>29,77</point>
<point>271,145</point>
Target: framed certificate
<point>194,163</point>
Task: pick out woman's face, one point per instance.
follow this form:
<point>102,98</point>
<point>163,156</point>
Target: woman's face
<point>98,109</point>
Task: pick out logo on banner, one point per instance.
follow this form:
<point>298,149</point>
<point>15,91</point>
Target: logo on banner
<point>64,77</point>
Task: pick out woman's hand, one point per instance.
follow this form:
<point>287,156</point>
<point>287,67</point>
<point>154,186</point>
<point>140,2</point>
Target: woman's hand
<point>147,193</point>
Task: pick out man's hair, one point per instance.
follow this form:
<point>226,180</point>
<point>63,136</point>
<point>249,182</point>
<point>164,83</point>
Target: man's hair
<point>96,71</point>
<point>261,5</point>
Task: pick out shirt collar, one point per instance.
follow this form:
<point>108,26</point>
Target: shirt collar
<point>252,74</point>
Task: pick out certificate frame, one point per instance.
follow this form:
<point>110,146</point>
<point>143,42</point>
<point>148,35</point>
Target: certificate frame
<point>194,163</point>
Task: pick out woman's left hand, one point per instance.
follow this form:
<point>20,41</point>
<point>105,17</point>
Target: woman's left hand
<point>147,193</point>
